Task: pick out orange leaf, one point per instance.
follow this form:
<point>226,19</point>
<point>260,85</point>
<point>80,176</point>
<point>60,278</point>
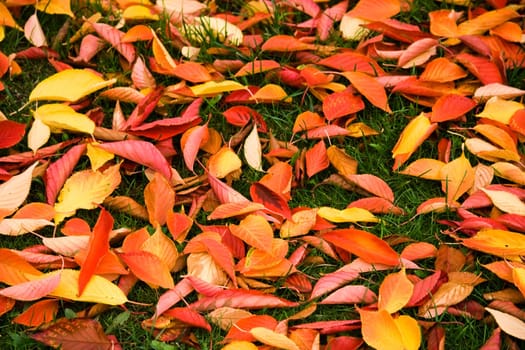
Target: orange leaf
<point>370,88</point>
<point>14,269</point>
<point>365,245</point>
<point>139,32</point>
<point>279,179</point>
<point>345,164</point>
<point>448,294</point>
<point>270,93</point>
<point>192,72</point>
<point>159,198</point>
<point>449,107</point>
<point>257,66</point>
<point>376,205</point>
<point>395,292</point>
<point>240,330</point>
<point>457,178</point>
<point>375,10</point>
<point>271,200</point>
<point>371,184</point>
<point>380,331</point>
<point>41,312</point>
<point>316,159</point>
<point>255,231</point>
<point>340,104</point>
<point>419,250</point>
<point>443,23</point>
<point>486,21</point>
<point>97,248</point>
<point>285,43</point>
<point>442,70</point>
<point>163,247</point>
<point>148,268</point>
<point>425,168</point>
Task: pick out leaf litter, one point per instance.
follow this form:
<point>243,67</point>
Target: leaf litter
<point>243,264</point>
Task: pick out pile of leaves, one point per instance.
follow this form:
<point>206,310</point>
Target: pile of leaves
<point>252,250</point>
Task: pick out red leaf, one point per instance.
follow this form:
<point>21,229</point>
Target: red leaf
<point>339,104</point>
<point>97,248</point>
<point>163,129</point>
<point>270,199</point>
<point>114,37</point>
<point>148,268</point>
<point>143,109</point>
<point>189,317</point>
<point>425,287</point>
<point>241,115</point>
<point>316,159</point>
<point>330,327</point>
<point>141,152</point>
<point>365,245</point>
<point>241,298</point>
<point>344,343</point>
<point>494,342</point>
<point>58,172</point>
<point>77,333</point>
<point>11,133</point>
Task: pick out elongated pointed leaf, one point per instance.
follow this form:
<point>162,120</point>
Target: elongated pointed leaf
<point>369,88</point>
<point>240,298</point>
<point>69,85</point>
<point>14,191</point>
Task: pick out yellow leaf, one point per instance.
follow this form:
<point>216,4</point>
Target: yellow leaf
<point>510,172</point>
<point>164,248</point>
<point>98,289</point>
<point>500,110</point>
<point>97,156</point>
<point>380,331</point>
<point>240,345</point>
<point>69,85</point>
<point>506,201</point>
<point>139,12</point>
<point>345,164</point>
<point>347,215</point>
<point>395,292</point>
<point>55,7</point>
<point>518,278</point>
<point>449,293</point>
<point>224,162</point>
<point>271,93</point>
<point>212,87</point>
<point>85,190</point>
<point>272,338</point>
<point>6,18</point>
<point>410,332</point>
<point>497,242</point>
<point>61,117</point>
<point>417,130</point>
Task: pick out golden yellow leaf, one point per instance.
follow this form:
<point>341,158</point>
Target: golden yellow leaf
<point>395,292</point>
<point>139,12</point>
<point>518,277</point>
<point>380,331</point>
<point>486,21</point>
<point>97,156</point>
<point>345,164</point>
<point>55,7</point>
<point>510,172</point>
<point>500,110</point>
<point>212,87</point>
<point>69,85</point>
<point>59,117</point>
<point>417,130</point>
<point>506,201</point>
<point>346,215</point>
<point>240,345</point>
<point>224,162</point>
<point>272,338</point>
<point>98,289</point>
<point>85,190</point>
<point>497,242</point>
<point>457,178</point>
<point>271,93</point>
<point>163,247</point>
<point>410,332</point>
<point>6,18</point>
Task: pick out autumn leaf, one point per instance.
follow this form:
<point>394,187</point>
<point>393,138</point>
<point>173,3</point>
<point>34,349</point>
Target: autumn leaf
<point>395,292</point>
<point>69,85</point>
<point>85,190</point>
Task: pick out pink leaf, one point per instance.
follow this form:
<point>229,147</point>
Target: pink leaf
<point>241,298</point>
<point>114,37</point>
<point>193,143</point>
<point>372,184</point>
<point>140,152</point>
<point>89,47</point>
<point>350,295</point>
<point>224,193</point>
<point>173,296</point>
<point>32,290</point>
<point>58,172</point>
<point>333,280</point>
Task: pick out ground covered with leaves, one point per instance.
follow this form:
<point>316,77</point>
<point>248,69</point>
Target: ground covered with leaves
<point>262,174</point>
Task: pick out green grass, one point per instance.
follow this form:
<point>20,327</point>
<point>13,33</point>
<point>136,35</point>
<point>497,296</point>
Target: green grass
<point>372,153</point>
